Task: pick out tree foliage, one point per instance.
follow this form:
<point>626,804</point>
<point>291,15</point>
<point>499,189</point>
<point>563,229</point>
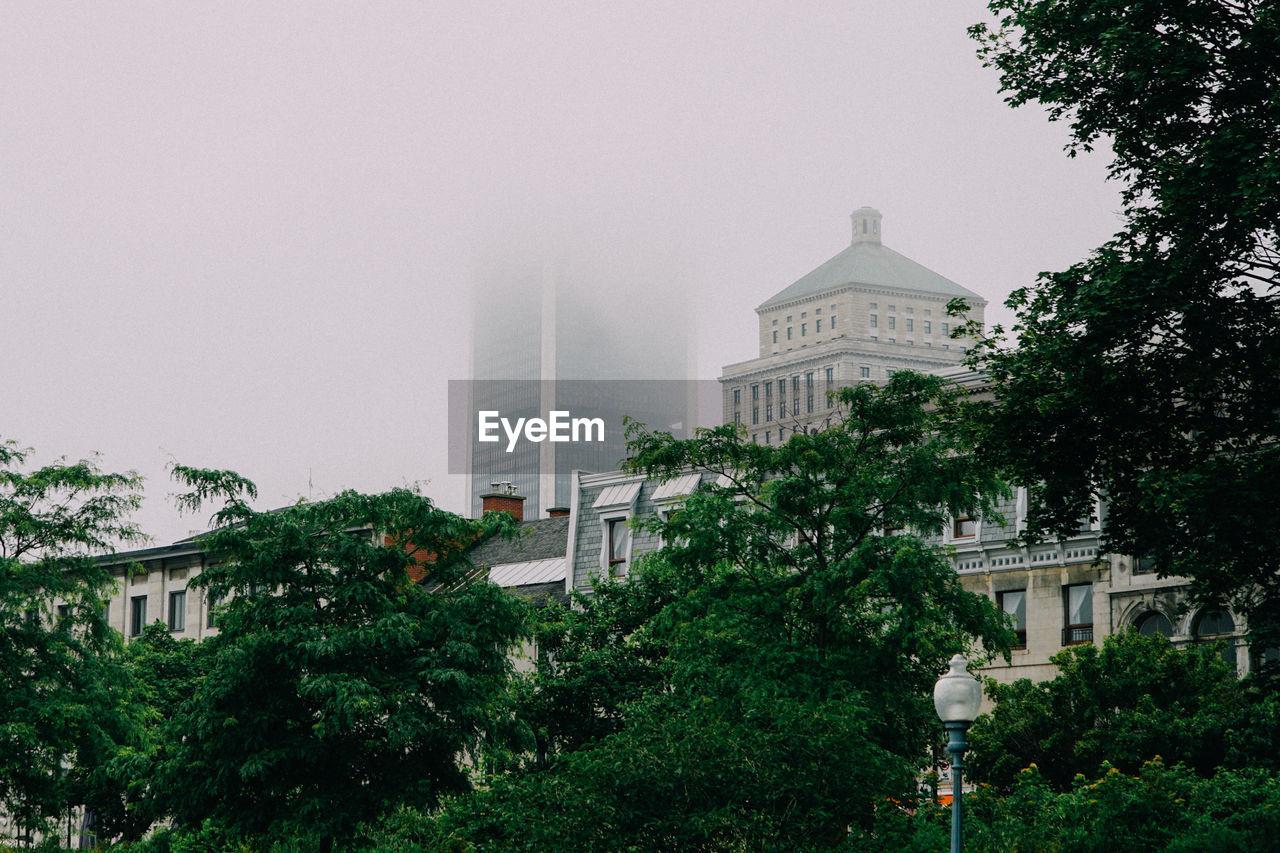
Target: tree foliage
<point>1121,705</point>
<point>66,699</point>
<point>1147,373</point>
<point>772,663</point>
<point>336,689</point>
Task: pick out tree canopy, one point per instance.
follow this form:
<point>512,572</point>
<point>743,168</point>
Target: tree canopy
<point>762,681</point>
<point>1147,373</point>
<point>336,688</point>
<point>1134,699</point>
<point>66,700</point>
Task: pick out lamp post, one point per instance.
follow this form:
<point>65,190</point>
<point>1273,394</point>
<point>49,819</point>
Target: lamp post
<point>957,697</point>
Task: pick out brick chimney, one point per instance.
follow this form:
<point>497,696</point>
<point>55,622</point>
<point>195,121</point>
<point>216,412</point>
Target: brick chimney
<point>557,512</point>
<point>502,497</point>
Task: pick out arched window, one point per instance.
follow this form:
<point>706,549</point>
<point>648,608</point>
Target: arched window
<point>1153,623</point>
<point>1217,625</point>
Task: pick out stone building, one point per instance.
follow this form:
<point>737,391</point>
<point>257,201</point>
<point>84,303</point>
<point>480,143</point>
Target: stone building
<point>863,314</point>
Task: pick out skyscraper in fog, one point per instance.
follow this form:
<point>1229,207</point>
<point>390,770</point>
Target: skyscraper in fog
<point>587,328</point>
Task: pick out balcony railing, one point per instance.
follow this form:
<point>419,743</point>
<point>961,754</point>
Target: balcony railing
<point>1075,634</point>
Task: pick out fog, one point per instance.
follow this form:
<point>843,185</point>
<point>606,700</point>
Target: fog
<point>247,235</point>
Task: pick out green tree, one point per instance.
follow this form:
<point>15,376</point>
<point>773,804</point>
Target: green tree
<point>1147,373</point>
<point>67,706</point>
<point>774,661</point>
<point>336,688</point>
<point>1121,705</point>
<point>165,671</point>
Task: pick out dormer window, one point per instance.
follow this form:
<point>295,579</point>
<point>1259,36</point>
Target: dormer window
<point>619,546</point>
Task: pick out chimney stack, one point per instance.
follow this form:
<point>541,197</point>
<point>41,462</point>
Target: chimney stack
<point>557,512</point>
<point>502,497</point>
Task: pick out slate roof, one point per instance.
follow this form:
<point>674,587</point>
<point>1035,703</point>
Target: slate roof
<point>540,539</point>
<point>876,265</point>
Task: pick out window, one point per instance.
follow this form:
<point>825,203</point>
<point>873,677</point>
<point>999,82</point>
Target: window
<point>1216,626</point>
<point>911,325</point>
<point>893,307</point>
<point>782,409</point>
<point>964,527</point>
<point>788,318</point>
<point>833,321</point>
<point>795,383</point>
<point>864,372</point>
<point>1078,621</point>
<point>737,396</point>
<point>775,336</point>
<point>817,327</point>
<point>809,402</point>
<point>1014,603</point>
<point>945,328</point>
<point>872,306</point>
<point>768,411</point>
<point>178,610</point>
<point>619,544</point>
<point>782,387</point>
<point>1144,565</point>
<point>64,615</point>
<point>830,375</point>
<point>1153,623</point>
<point>928,327</point>
<point>755,392</point>
<point>872,320</point>
<point>768,390</point>
<point>768,436</point>
<point>808,380</point>
<point>137,615</point>
<point>804,329</point>
<point>909,309</point>
<point>213,602</point>
<point>893,322</point>
<point>788,333</point>
<point>737,417</point>
<point>755,415</point>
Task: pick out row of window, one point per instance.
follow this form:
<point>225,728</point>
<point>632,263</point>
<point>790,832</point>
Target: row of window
<point>176,613</point>
<point>804,328</point>
<point>1077,622</point>
<point>782,433</point>
<point>909,324</point>
<point>1077,619</point>
<point>891,308</point>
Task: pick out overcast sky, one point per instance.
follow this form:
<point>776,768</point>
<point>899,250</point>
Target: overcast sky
<point>243,235</point>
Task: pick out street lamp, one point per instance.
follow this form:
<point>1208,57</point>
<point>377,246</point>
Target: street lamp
<point>957,696</point>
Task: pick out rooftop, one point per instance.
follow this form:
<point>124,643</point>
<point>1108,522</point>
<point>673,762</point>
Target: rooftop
<point>868,262</point>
